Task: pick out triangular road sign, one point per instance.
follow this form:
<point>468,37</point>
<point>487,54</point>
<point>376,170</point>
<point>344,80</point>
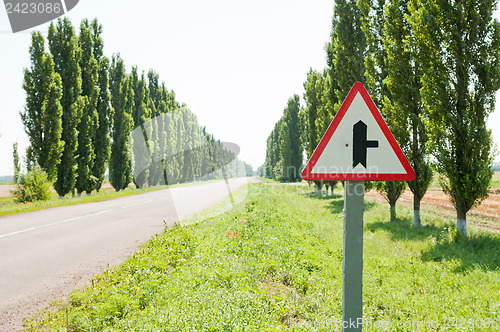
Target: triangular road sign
<point>358,146</point>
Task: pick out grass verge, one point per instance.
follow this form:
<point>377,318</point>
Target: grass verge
<point>9,207</point>
<point>274,263</point>
<point>495,182</point>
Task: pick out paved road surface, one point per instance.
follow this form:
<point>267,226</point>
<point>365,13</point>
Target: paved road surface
<point>46,254</point>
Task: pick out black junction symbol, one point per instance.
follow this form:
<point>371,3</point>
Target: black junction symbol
<point>360,144</point>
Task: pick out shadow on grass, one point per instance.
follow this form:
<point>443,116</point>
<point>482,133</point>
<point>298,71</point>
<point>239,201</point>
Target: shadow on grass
<point>402,229</point>
<point>337,206</point>
<point>323,197</point>
<point>479,250</point>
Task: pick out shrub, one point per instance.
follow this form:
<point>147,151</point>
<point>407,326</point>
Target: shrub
<point>33,186</point>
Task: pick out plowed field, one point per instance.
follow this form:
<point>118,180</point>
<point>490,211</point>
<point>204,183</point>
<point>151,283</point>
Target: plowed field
<point>489,209</point>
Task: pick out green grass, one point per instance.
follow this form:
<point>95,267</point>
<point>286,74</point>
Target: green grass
<point>284,273</point>
<point>267,180</point>
<point>495,183</point>
<point>9,207</point>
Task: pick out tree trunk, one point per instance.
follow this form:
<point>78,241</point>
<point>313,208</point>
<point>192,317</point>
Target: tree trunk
<point>318,188</point>
<point>461,218</point>
<point>393,211</point>
<point>416,213</point>
<point>333,186</point>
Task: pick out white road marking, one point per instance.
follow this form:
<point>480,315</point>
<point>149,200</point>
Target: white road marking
<point>135,204</point>
<point>53,224</point>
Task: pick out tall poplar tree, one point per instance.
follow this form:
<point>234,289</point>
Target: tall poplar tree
<point>42,112</point>
<point>346,49</point>
<point>309,115</point>
<point>63,45</point>
<point>345,53</point>
<point>155,169</point>
<point>459,49</point>
<point>318,114</point>
<point>284,148</point>
<point>17,162</point>
<point>89,117</point>
<point>140,114</point>
<point>102,139</point>
<point>120,168</point>
<point>273,152</point>
<point>314,103</point>
<point>291,147</point>
<point>404,109</point>
<point>376,62</point>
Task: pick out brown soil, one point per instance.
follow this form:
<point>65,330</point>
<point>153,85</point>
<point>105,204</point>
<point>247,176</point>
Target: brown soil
<point>489,209</point>
<point>5,191</point>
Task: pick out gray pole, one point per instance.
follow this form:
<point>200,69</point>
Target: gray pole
<point>227,184</point>
<point>352,302</point>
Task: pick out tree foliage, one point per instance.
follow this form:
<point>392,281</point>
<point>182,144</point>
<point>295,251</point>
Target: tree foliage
<point>120,168</point>
<point>87,125</point>
<point>43,111</point>
<point>17,162</point>
<point>32,186</point>
<point>404,110</point>
<point>376,72</point>
<point>459,49</point>
<point>102,141</point>
<point>391,191</point>
<point>319,111</point>
<point>102,138</point>
<point>63,45</point>
<point>80,112</point>
<point>346,50</point>
<point>317,115</point>
<point>284,146</point>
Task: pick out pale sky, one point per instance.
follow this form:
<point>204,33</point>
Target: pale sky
<point>234,63</point>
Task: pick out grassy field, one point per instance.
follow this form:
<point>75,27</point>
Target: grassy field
<point>495,183</point>
<point>274,263</point>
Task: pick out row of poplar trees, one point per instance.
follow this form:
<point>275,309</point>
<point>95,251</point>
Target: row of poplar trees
<point>68,114</point>
<point>432,68</point>
<point>81,108</point>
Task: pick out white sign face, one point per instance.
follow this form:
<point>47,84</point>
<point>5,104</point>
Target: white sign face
<point>358,145</point>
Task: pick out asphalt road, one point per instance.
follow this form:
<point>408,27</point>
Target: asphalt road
<point>46,254</point>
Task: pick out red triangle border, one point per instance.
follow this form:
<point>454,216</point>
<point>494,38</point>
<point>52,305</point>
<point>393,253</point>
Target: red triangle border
<point>308,176</point>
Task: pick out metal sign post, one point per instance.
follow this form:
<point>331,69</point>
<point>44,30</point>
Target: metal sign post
<point>352,275</point>
<point>357,146</point>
